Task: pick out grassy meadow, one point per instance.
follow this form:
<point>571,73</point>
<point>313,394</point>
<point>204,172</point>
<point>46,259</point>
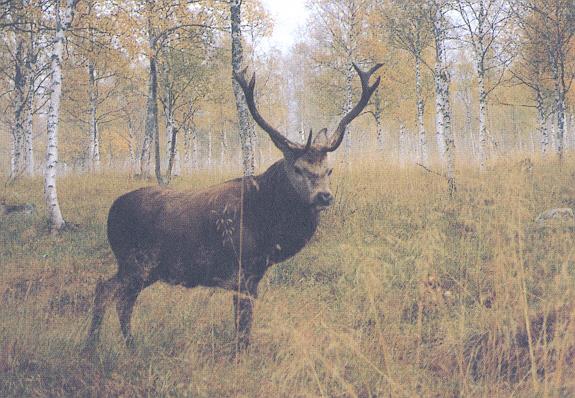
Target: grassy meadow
<point>403,292</point>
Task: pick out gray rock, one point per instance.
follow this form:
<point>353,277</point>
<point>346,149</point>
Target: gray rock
<point>559,217</point>
<point>25,209</point>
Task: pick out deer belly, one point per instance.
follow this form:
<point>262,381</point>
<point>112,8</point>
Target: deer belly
<point>206,266</point>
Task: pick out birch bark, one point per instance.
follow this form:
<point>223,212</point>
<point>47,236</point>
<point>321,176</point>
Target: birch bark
<point>246,128</point>
<point>482,115</point>
<point>63,22</point>
<point>29,123</point>
<point>559,82</point>
<point>187,148</point>
<point>402,145</point>
<point>378,115</point>
<point>422,138</point>
<point>542,122</point>
<point>19,107</point>
<point>223,147</point>
<point>348,104</point>
<point>29,128</point>
<point>195,150</point>
<point>443,104</point>
<point>94,136</point>
<point>439,98</point>
<point>151,127</point>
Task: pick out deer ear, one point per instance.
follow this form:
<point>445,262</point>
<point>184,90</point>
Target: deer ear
<point>321,138</point>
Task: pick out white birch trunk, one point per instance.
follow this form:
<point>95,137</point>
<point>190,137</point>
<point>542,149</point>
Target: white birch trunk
<point>223,147</point>
<point>94,135</point>
<point>572,129</point>
<point>439,98</point>
<point>16,163</point>
<point>378,115</point>
<point>246,128</point>
<point>29,123</point>
<point>468,123</point>
<point>131,151</point>
<point>422,138</point>
<point>568,132</point>
<point>442,91</point>
<point>210,150</point>
<point>195,150</point>
<point>173,168</point>
<point>145,156</point>
<point>439,113</point>
<point>559,109</point>
<point>482,116</point>
<point>187,149</point>
<point>542,122</point>
<point>151,126</point>
<point>348,105</point>
<point>402,145</point>
<point>169,103</point>
<point>29,131</point>
<point>553,133</point>
<point>448,133</point>
<point>169,135</point>
<point>55,218</point>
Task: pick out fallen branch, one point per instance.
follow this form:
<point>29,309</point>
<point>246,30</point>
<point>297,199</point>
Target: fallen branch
<point>452,188</point>
<point>432,171</point>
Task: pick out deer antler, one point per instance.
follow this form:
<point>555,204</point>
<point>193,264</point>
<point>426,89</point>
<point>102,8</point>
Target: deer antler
<point>366,92</point>
<point>278,139</point>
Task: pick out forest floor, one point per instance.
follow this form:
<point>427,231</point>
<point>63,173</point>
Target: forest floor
<point>403,292</point>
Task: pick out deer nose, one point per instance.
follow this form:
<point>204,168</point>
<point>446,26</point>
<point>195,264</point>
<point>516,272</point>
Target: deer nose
<point>323,198</point>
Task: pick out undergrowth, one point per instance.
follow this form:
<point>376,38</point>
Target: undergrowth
<point>403,292</point>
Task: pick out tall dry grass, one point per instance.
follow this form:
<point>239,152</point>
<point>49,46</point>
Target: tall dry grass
<point>403,292</point>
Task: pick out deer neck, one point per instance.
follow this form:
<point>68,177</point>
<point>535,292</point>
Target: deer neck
<point>280,206</point>
<point>277,192</point>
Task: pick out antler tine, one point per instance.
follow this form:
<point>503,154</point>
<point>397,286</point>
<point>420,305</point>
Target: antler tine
<point>278,139</point>
<point>366,92</point>
<point>308,143</point>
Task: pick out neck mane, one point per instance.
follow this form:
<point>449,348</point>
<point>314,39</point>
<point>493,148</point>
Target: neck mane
<point>282,216</point>
<point>275,186</point>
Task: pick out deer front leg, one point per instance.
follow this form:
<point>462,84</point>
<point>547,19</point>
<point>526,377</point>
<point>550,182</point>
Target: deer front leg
<point>244,299</point>
<point>243,314</point>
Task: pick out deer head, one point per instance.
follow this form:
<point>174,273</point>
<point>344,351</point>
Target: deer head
<point>307,166</point>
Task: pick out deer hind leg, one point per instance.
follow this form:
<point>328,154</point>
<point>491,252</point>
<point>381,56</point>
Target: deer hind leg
<point>127,296</point>
<point>105,292</point>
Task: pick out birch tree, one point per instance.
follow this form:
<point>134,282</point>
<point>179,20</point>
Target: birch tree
<point>96,46</point>
<point>485,22</point>
<point>410,30</point>
<point>246,128</point>
<point>151,125</point>
<point>22,54</point>
<point>337,32</point>
<point>532,70</point>
<point>19,111</point>
<point>464,77</point>
<point>63,17</point>
<point>438,10</point>
<point>185,82</point>
<point>553,23</point>
<point>378,116</point>
<point>338,29</point>
<point>165,20</point>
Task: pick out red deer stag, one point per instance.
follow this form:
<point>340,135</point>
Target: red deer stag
<point>225,236</point>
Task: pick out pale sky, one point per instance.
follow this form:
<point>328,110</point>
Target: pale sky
<point>288,16</point>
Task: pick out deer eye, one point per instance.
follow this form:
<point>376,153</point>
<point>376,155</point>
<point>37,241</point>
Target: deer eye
<point>329,172</point>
